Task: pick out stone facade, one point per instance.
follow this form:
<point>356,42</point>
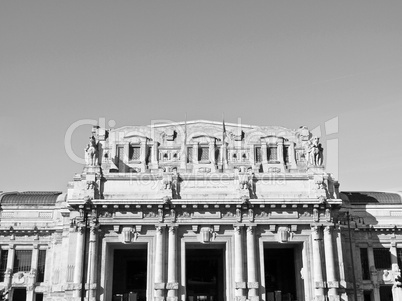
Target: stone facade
<point>155,205</point>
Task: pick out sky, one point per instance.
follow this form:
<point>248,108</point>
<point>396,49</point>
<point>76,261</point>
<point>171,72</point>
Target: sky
<point>287,63</point>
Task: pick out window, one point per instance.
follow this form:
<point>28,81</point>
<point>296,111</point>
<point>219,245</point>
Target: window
<point>286,154</point>
<point>120,158</point>
<point>365,264</point>
<point>258,156</point>
<point>382,258</point>
<point>189,154</point>
<point>218,155</point>
<point>272,154</point>
<point>203,153</point>
<point>22,261</point>
<point>399,256</point>
<point>134,153</point>
<point>3,263</point>
<point>41,266</point>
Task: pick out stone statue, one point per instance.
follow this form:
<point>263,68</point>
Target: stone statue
<point>91,152</point>
<point>315,152</point>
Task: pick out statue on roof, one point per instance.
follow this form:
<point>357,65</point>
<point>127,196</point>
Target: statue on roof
<point>315,151</point>
<point>91,152</point>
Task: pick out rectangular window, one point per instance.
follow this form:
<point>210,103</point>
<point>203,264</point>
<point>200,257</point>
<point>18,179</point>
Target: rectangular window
<point>399,256</point>
<point>203,154</point>
<point>218,155</point>
<point>189,154</point>
<point>286,153</point>
<point>272,154</point>
<point>120,158</point>
<point>134,153</point>
<point>365,264</point>
<point>41,266</point>
<point>258,155</point>
<point>382,258</point>
<point>22,261</point>
<point>3,264</point>
<point>38,296</point>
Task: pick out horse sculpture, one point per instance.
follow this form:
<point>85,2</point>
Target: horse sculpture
<point>91,152</point>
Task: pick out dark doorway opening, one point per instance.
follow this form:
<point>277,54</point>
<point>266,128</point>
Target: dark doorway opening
<point>130,275</point>
<point>280,278</point>
<point>19,294</point>
<point>386,293</point>
<point>204,274</point>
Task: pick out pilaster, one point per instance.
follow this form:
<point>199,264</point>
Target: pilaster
<point>317,264</point>
<point>252,283</point>
<point>159,281</point>
<point>240,283</point>
<point>172,285</point>
<point>332,282</point>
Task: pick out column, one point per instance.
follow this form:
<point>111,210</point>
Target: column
<point>224,155</point>
<point>264,153</point>
<point>34,261</point>
<point>240,284</point>
<point>332,282</point>
<point>280,151</point>
<point>79,249</point>
<point>159,284</point>
<point>172,284</point>
<point>318,275</point>
<point>373,271</point>
<point>252,155</point>
<point>252,283</point>
<point>291,153</point>
<point>211,148</point>
<point>394,256</point>
<point>10,265</point>
<point>92,258</point>
<point>195,153</point>
<point>154,154</point>
<point>32,276</point>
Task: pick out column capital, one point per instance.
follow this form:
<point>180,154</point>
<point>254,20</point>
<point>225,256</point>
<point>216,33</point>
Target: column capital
<point>159,229</point>
<point>251,229</point>
<point>172,229</point>
<point>237,228</point>
<point>315,229</point>
<point>328,229</point>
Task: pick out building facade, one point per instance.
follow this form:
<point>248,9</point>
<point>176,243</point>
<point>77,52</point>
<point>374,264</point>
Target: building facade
<point>201,211</point>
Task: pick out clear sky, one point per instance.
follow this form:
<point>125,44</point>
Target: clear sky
<point>287,63</point>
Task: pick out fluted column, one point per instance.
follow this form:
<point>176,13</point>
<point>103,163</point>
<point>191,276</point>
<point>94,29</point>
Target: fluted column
<point>172,284</point>
<point>159,283</point>
<point>252,283</point>
<point>332,282</point>
<point>240,284</point>
<point>318,275</point>
<point>92,264</point>
<point>79,249</point>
